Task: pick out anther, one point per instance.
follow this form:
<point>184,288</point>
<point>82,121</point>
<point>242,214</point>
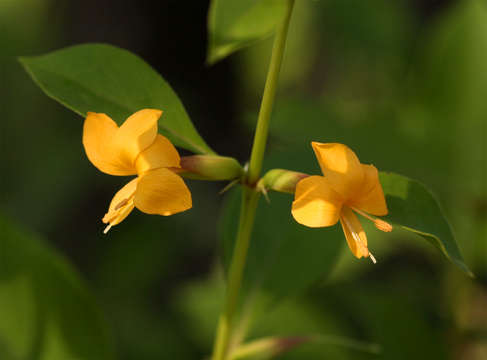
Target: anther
<point>382,225</point>
<point>120,204</point>
<point>379,224</point>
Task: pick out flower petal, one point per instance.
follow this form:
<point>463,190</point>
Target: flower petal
<point>135,135</point>
<point>160,191</point>
<point>340,166</point>
<point>370,197</point>
<point>161,153</point>
<point>122,203</point>
<point>354,233</point>
<point>98,132</point>
<point>316,204</point>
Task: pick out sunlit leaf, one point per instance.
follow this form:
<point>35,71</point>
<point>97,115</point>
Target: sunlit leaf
<point>46,311</point>
<point>415,209</point>
<point>234,24</point>
<point>103,78</point>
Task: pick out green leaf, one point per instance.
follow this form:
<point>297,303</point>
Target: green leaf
<point>234,24</point>
<point>284,257</point>
<point>46,310</point>
<point>271,346</point>
<point>415,209</point>
<point>106,79</point>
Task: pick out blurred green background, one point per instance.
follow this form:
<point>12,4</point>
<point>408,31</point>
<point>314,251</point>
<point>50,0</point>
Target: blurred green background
<point>403,83</point>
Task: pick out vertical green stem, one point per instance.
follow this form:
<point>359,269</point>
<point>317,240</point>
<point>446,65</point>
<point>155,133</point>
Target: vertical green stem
<point>250,195</point>
<point>260,138</point>
<point>247,215</point>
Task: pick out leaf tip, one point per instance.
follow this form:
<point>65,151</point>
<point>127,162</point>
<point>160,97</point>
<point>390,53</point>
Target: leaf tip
<point>213,57</point>
<point>23,60</point>
<point>467,271</point>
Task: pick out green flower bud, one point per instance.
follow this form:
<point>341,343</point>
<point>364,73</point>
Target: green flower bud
<point>210,167</point>
<point>280,180</point>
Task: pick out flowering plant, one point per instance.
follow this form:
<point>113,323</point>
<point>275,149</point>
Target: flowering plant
<point>136,125</point>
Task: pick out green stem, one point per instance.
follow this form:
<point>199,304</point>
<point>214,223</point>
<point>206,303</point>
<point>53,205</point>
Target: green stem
<point>250,195</point>
<point>260,138</point>
<point>247,215</point>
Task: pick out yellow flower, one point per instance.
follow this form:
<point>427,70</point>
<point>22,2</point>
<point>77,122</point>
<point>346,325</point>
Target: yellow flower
<point>347,186</point>
<point>135,148</point>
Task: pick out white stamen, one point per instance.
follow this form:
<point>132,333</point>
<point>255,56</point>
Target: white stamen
<point>372,258</point>
<point>107,228</point>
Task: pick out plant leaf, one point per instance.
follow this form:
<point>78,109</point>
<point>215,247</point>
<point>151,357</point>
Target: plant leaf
<point>47,313</point>
<point>284,257</point>
<point>235,24</point>
<point>415,209</point>
<point>270,347</point>
<point>106,79</point>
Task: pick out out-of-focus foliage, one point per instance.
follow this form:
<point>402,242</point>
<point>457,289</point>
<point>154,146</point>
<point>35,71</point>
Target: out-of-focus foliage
<point>105,79</point>
<point>393,321</point>
<point>47,313</point>
<point>201,301</point>
<point>451,80</point>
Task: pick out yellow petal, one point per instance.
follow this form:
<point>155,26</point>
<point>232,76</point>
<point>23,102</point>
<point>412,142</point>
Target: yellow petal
<point>162,192</point>
<point>122,204</point>
<point>316,204</point>
<point>160,154</point>
<point>341,168</point>
<point>135,135</point>
<point>98,132</point>
<point>354,233</point>
<point>370,197</point>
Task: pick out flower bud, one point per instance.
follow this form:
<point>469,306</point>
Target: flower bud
<point>210,167</point>
<point>280,180</point>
